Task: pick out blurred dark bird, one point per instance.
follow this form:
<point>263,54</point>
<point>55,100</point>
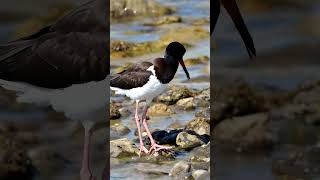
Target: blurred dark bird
<point>145,81</point>
<point>64,65</point>
<point>234,12</point>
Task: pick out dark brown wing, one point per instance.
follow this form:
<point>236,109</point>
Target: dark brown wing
<point>133,77</point>
<point>234,12</point>
<point>57,62</point>
<point>58,56</point>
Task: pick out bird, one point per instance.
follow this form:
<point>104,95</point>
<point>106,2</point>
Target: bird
<point>146,80</point>
<point>64,65</point>
<point>234,12</point>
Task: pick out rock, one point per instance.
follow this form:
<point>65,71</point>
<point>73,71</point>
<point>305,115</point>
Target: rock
<point>124,111</point>
<point>180,169</point>
<point>203,98</point>
<point>160,110</point>
<point>294,124</point>
<point>164,20</point>
<point>236,99</point>
<point>199,125</point>
<point>196,61</point>
<point>122,147</point>
<point>175,94</point>
<point>244,131</point>
<point>187,141</point>
<point>114,111</point>
<point>201,153</point>
<point>161,156</point>
<point>200,22</point>
<point>295,161</point>
<point>187,103</point>
<point>203,113</point>
<point>201,174</point>
<point>119,129</point>
<point>128,9</point>
<point>121,46</point>
<point>122,49</point>
<point>48,162</point>
<point>14,161</point>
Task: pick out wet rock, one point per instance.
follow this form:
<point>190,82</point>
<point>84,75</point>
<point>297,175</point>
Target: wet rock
<point>187,103</point>
<point>236,99</point>
<point>200,22</point>
<point>188,141</point>
<point>174,94</point>
<point>180,169</point>
<point>122,147</point>
<point>48,162</point>
<point>119,129</point>
<point>199,125</point>
<point>161,156</point>
<point>245,131</point>
<point>201,153</point>
<point>14,161</point>
<point>114,111</point>
<point>309,96</point>
<point>121,49</point>
<point>127,9</point>
<point>295,161</point>
<point>203,113</point>
<point>203,98</point>
<point>293,124</point>
<point>121,46</point>
<point>164,20</point>
<point>160,110</point>
<point>124,111</point>
<point>200,174</point>
<point>196,61</point>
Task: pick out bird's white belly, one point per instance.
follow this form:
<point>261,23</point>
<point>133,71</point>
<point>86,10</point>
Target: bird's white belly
<point>150,90</point>
<point>77,101</point>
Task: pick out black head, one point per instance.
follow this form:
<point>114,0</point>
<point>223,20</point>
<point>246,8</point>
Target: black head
<point>177,50</point>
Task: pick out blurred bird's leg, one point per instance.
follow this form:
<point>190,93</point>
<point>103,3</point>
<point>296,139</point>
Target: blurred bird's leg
<point>214,14</point>
<point>142,148</point>
<point>85,172</point>
<point>154,145</point>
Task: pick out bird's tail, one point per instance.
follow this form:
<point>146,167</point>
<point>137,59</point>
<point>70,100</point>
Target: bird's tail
<point>26,93</point>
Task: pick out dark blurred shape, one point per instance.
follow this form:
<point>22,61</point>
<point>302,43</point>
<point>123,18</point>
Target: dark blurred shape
<point>71,51</point>
<point>233,10</point>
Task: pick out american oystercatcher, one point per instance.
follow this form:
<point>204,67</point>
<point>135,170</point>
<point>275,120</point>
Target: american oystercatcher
<point>64,65</point>
<point>145,81</point>
<point>234,12</point>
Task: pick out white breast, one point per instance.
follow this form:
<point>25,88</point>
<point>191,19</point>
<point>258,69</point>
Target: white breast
<point>150,90</point>
<point>77,101</point>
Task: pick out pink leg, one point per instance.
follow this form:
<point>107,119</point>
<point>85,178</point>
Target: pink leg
<point>154,146</point>
<point>85,172</point>
<point>142,148</point>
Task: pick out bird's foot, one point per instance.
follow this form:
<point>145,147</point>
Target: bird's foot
<point>86,175</point>
<point>156,147</point>
<point>143,149</point>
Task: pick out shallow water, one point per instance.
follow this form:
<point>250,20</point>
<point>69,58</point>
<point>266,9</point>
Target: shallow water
<point>132,168</point>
